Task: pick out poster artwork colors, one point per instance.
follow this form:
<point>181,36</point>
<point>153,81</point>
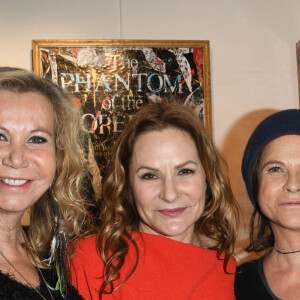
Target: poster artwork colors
<point>112,79</point>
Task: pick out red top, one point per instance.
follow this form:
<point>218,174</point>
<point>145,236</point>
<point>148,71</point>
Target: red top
<point>167,270</point>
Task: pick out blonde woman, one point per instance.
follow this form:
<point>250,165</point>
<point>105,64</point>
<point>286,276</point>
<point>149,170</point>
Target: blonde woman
<point>40,169</point>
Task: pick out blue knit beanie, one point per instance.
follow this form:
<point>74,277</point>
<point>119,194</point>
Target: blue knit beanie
<point>278,124</point>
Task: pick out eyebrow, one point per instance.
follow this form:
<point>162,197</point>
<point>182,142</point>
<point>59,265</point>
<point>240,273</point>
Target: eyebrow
<point>147,168</point>
<point>272,162</point>
<point>185,163</point>
<point>32,131</point>
<point>42,130</point>
<point>176,167</point>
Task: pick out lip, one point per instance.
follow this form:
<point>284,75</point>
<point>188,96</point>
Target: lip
<point>172,213</point>
<point>290,203</point>
<point>23,186</point>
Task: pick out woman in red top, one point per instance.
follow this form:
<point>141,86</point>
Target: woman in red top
<point>168,215</point>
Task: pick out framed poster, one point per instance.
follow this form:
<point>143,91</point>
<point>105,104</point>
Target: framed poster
<point>112,79</point>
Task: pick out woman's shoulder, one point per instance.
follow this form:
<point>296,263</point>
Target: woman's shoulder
<point>188,269</point>
<point>151,240</point>
<point>85,249</point>
<point>163,248</point>
<point>50,276</point>
<point>248,281</point>
<point>249,269</point>
<point>12,289</point>
<point>88,242</point>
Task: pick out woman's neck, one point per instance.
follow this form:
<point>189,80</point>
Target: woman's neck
<point>286,240</point>
<point>11,232</point>
<point>286,247</point>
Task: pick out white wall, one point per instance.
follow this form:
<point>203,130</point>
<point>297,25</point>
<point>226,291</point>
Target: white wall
<point>253,56</point>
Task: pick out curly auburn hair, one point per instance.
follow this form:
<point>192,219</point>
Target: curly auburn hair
<point>66,186</point>
<point>119,215</point>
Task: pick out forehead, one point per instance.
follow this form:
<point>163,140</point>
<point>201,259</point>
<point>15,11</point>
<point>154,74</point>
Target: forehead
<point>29,96</point>
<point>283,145</point>
<point>15,106</point>
<point>169,134</point>
<point>159,143</point>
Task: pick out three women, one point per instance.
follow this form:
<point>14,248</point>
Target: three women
<point>168,215</point>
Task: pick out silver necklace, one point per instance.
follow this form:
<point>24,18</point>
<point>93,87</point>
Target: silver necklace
<point>35,264</point>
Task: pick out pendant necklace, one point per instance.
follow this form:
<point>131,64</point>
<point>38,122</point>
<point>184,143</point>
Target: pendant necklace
<point>35,265</point>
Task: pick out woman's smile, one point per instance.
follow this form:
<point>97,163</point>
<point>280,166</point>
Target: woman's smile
<point>14,182</point>
<point>168,183</point>
<point>27,149</point>
<point>173,213</point>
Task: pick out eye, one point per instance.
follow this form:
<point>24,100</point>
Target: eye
<point>148,176</point>
<point>3,137</point>
<point>37,140</point>
<point>186,171</point>
<point>274,169</point>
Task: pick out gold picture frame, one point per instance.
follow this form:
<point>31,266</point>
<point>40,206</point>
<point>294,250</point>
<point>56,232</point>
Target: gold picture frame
<point>111,79</point>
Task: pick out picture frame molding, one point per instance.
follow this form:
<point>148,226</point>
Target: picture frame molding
<point>37,44</point>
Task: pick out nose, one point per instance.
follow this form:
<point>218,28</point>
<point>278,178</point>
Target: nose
<point>169,191</point>
<point>293,182</point>
<point>15,157</point>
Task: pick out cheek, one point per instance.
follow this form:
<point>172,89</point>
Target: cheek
<point>137,193</point>
<point>267,196</point>
<point>142,196</point>
<point>52,171</point>
<point>195,188</point>
<point>48,165</point>
<point>266,190</point>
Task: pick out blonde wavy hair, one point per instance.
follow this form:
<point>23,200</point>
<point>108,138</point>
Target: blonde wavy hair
<point>119,215</point>
<point>66,186</point>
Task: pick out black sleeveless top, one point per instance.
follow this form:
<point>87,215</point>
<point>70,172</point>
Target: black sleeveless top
<point>11,289</point>
<point>251,283</point>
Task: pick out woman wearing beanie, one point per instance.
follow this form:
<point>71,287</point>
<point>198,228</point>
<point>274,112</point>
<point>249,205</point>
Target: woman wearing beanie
<point>271,171</point>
